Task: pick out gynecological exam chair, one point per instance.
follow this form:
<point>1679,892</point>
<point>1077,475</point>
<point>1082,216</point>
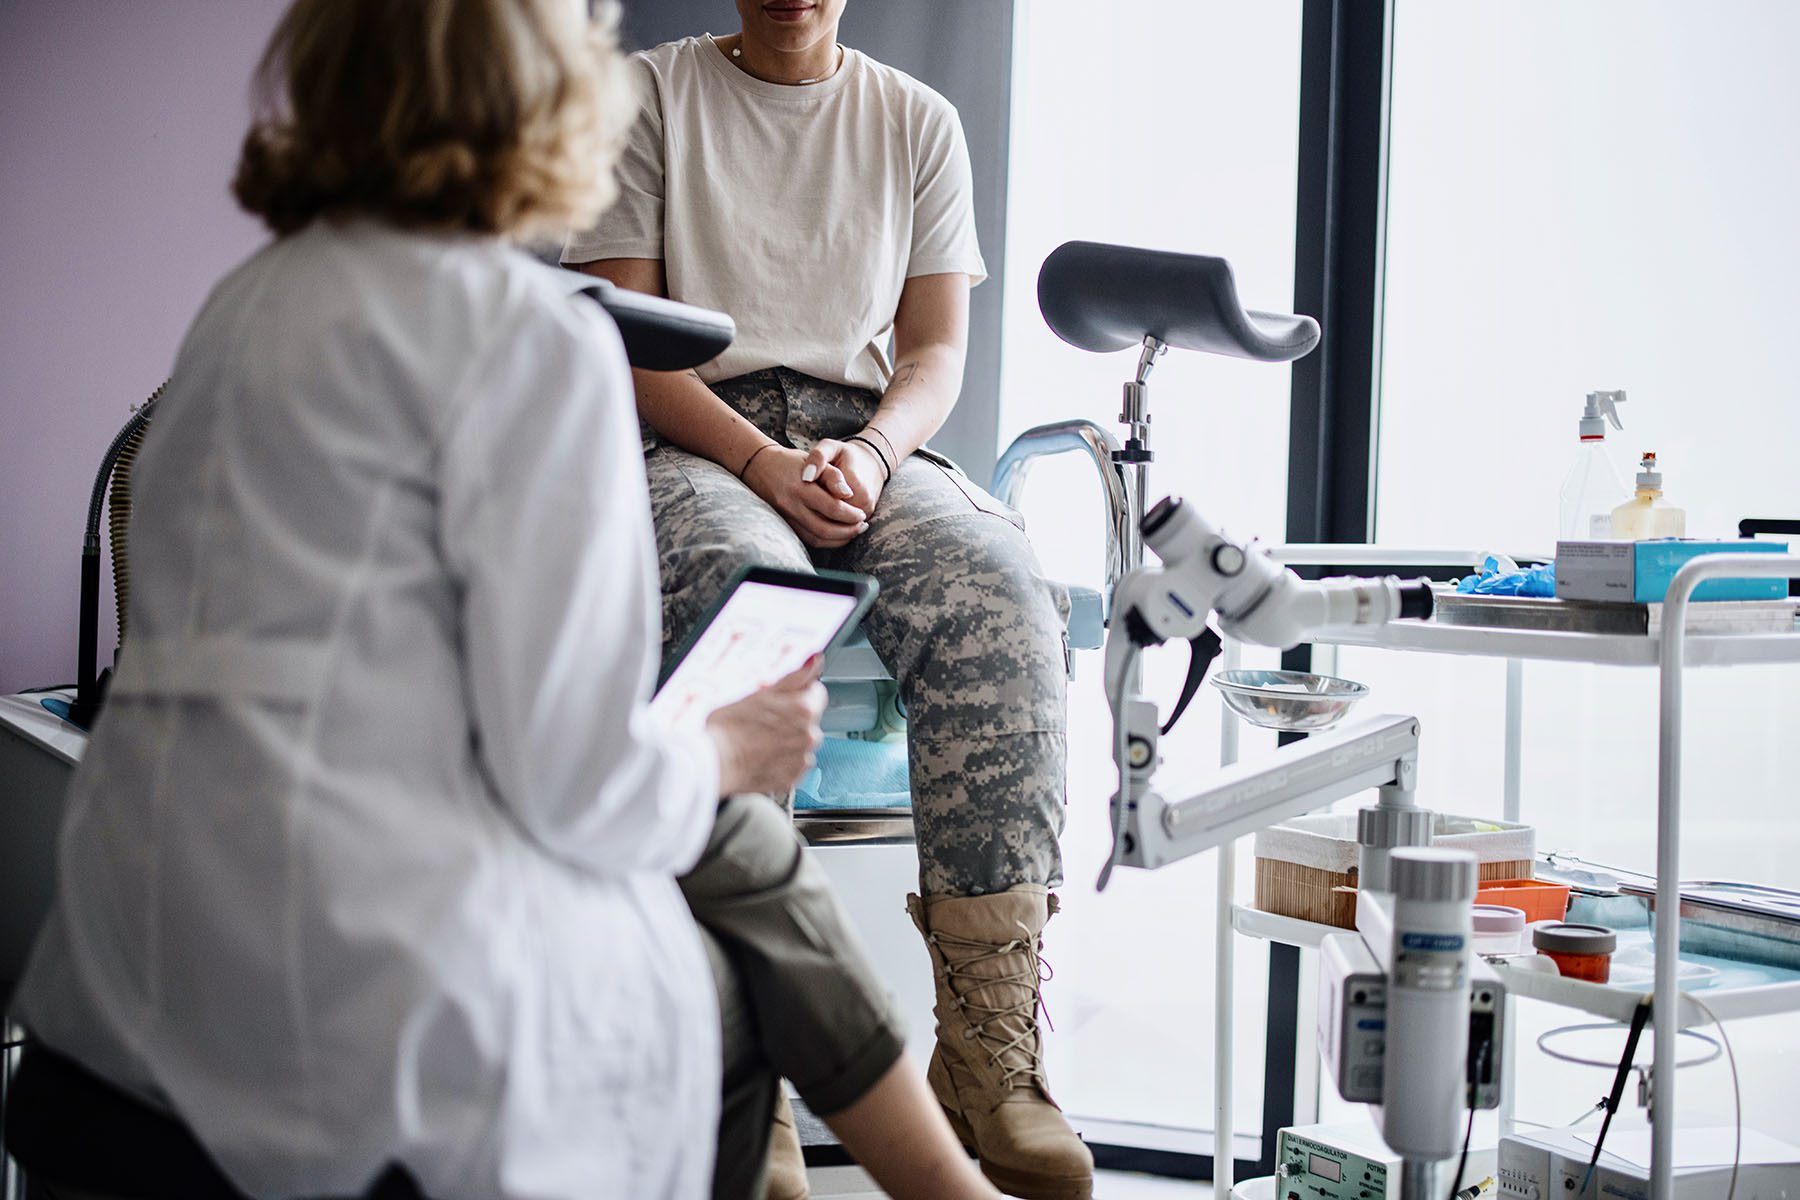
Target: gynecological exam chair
<point>1107,298</point>
<point>856,810</point>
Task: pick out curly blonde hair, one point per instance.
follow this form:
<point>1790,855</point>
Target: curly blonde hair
<point>490,116</point>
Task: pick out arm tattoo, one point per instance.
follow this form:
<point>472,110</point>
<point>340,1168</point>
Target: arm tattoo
<point>903,375</point>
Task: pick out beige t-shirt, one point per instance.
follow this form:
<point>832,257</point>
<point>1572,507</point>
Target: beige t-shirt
<point>801,211</point>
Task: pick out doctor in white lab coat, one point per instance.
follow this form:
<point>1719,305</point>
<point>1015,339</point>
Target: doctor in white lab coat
<point>370,861</point>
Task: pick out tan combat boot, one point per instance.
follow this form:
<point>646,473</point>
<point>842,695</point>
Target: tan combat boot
<point>786,1179</point>
<point>987,1070</point>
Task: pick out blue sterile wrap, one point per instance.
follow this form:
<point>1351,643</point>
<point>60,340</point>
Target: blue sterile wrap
<point>856,774</point>
<point>1495,580</point>
<point>1614,912</point>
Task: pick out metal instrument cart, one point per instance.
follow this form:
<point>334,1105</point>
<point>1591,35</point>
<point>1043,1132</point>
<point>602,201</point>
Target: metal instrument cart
<point>1672,651</point>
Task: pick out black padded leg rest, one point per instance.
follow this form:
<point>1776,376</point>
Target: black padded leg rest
<point>66,1125</point>
<point>1103,298</point>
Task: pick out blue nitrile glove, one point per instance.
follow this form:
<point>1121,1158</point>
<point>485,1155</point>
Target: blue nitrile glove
<point>1495,579</point>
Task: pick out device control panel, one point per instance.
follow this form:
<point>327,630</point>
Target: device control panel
<point>1328,1168</point>
<point>1353,1022</point>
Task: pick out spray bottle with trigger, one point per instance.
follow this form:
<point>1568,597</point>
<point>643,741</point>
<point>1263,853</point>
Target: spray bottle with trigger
<point>1593,487</point>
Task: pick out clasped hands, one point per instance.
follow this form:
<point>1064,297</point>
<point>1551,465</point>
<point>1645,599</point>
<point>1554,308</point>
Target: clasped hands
<point>826,494</point>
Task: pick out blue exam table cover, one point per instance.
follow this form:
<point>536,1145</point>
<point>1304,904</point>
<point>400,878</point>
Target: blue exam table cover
<point>856,774</point>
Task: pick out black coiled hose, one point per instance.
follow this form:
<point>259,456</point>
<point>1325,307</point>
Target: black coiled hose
<point>118,509</point>
<point>87,684</point>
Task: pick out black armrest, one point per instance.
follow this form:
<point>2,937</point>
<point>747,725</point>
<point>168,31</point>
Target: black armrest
<point>659,334</point>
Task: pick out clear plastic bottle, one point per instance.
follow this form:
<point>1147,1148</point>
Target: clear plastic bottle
<point>1593,486</point>
<point>1647,515</point>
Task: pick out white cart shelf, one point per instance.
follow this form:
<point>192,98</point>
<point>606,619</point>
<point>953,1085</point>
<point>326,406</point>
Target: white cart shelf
<point>1671,652</point>
<point>1608,1001</point>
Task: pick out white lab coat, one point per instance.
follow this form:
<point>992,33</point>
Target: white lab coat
<point>371,857</point>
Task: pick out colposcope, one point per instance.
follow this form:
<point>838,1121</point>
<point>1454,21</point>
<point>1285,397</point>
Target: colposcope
<point>1409,965</point>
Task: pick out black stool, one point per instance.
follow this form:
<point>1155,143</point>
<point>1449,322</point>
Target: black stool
<point>70,1129</point>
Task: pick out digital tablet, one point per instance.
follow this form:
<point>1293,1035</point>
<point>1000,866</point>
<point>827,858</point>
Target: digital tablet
<point>768,622</point>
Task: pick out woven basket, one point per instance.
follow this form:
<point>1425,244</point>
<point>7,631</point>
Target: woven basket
<point>1306,868</point>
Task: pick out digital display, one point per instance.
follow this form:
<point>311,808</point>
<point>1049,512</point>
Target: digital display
<point>1325,1168</point>
<point>763,632</point>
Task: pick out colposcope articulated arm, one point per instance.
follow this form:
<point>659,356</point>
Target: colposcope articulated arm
<point>1203,572</point>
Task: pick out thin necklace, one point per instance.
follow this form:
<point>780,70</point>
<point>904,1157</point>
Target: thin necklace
<point>738,51</point>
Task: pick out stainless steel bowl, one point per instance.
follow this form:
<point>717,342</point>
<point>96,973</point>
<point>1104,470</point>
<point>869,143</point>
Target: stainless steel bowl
<point>1292,701</point>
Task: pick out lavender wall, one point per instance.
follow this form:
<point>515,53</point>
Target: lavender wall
<point>119,126</point>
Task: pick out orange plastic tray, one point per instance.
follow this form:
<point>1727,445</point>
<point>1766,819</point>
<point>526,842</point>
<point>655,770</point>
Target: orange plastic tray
<point>1541,901</point>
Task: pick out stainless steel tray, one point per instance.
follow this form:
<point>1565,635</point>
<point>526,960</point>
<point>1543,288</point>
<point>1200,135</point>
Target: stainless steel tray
<point>1746,922</point>
<point>1582,616</point>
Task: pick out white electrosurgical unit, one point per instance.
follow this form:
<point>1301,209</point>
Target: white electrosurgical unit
<point>1551,1164</point>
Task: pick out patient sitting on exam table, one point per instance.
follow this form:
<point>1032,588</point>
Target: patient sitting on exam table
<point>370,868</point>
<point>826,200</point>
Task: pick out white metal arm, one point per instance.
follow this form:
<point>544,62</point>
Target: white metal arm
<point>1377,752</point>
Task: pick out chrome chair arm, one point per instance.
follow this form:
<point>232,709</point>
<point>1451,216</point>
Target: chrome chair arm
<point>1098,443</point>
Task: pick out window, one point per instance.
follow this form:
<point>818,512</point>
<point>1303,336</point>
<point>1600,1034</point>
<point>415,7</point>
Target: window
<point>1582,196</point>
<point>1168,124</point>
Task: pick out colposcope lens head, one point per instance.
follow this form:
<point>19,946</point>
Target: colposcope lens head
<point>1175,531</point>
<point>1159,515</point>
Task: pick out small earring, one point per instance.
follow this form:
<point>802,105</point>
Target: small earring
<point>736,52</point>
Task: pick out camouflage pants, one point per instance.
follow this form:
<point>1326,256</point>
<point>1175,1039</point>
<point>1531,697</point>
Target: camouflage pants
<point>966,621</point>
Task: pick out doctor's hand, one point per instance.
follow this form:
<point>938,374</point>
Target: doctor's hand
<point>817,506</point>
<point>766,740</point>
<point>856,464</point>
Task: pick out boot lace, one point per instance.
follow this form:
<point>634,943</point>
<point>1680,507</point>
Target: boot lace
<point>1033,974</point>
